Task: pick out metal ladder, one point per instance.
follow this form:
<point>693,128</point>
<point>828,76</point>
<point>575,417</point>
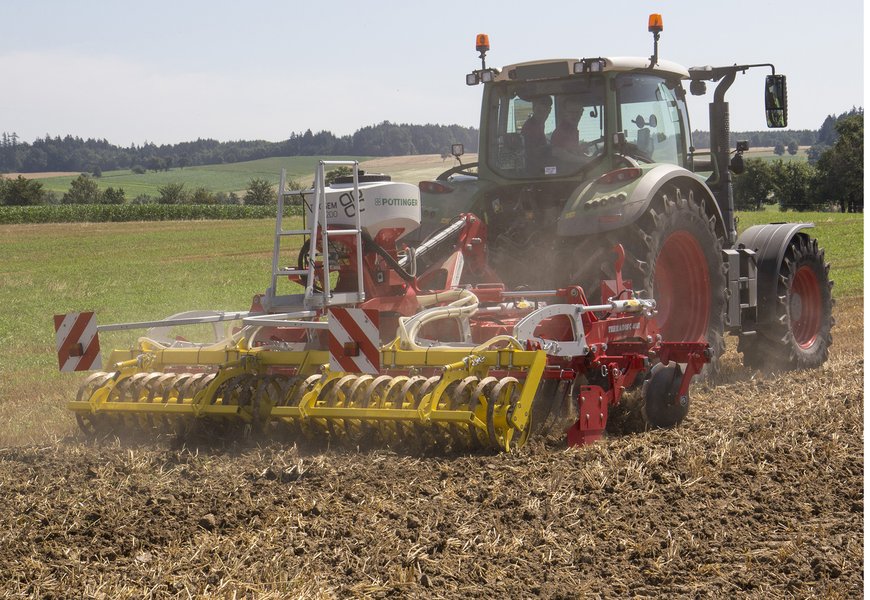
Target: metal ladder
<point>312,298</point>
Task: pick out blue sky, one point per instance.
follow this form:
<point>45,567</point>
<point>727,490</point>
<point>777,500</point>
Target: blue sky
<point>173,71</point>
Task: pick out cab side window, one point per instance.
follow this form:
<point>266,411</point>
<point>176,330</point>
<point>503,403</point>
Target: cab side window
<point>650,118</point>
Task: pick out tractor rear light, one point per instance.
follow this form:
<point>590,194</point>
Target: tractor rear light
<point>434,187</point>
<point>472,79</point>
<point>351,348</point>
<point>620,175</point>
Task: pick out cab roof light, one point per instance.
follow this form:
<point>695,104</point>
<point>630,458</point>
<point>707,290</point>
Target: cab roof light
<point>589,65</point>
<point>481,76</point>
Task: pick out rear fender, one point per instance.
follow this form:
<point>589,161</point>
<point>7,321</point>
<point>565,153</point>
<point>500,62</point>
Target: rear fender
<point>599,207</point>
<point>769,242</point>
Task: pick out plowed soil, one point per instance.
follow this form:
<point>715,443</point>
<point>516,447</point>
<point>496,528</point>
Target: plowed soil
<point>759,493</point>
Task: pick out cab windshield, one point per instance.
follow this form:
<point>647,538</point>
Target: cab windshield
<point>546,128</point>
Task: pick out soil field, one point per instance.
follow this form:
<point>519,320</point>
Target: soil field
<point>758,494</point>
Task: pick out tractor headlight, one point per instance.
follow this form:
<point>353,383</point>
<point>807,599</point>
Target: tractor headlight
<point>472,79</point>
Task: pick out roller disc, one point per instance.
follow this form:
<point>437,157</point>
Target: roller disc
<point>304,427</point>
<point>90,424</point>
<point>376,392</point>
<point>465,399</point>
<point>481,394</point>
<point>500,399</point>
<point>332,396</point>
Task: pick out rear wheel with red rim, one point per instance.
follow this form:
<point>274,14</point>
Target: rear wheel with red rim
<point>799,336</point>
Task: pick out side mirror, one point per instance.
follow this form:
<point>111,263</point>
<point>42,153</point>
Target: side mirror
<point>776,101</point>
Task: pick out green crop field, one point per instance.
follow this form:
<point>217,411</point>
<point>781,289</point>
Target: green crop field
<point>769,155</point>
<point>232,177</point>
<point>840,234</point>
<point>144,271</point>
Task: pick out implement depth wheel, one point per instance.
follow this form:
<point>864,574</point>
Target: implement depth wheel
<point>661,407</point>
<point>800,334</point>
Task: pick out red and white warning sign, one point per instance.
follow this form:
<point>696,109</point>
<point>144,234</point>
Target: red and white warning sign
<point>354,340</point>
<point>78,345</point>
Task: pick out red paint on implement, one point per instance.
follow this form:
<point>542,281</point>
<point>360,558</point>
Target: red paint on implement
<point>71,346</point>
<point>346,319</point>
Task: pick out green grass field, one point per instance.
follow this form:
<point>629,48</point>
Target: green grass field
<point>769,155</point>
<point>236,176</point>
<point>215,178</point>
<point>144,271</point>
<point>841,235</point>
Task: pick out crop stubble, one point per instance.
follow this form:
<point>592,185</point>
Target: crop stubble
<point>759,493</point>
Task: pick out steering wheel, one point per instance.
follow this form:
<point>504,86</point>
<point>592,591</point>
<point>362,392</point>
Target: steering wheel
<point>635,152</point>
<point>460,169</point>
<point>593,148</point>
<point>628,160</point>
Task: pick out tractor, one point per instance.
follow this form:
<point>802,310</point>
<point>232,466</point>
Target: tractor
<point>577,155</point>
<point>585,258</point>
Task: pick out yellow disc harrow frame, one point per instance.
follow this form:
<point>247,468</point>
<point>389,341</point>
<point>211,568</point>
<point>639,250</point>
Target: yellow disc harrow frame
<point>446,399</point>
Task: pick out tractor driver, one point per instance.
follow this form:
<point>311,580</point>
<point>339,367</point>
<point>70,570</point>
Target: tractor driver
<point>566,136</point>
<point>534,134</point>
<point>533,129</point>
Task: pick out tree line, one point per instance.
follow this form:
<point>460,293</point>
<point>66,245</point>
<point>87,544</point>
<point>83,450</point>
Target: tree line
<point>71,153</point>
<point>833,180</point>
<point>85,190</point>
<point>782,140</point>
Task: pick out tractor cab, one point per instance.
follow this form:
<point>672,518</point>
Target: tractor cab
<point>578,118</point>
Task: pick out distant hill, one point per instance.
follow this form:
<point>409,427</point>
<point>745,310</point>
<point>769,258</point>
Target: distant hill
<point>236,177</point>
<point>74,154</point>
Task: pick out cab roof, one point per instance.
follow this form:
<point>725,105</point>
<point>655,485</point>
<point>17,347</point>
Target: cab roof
<point>564,67</point>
